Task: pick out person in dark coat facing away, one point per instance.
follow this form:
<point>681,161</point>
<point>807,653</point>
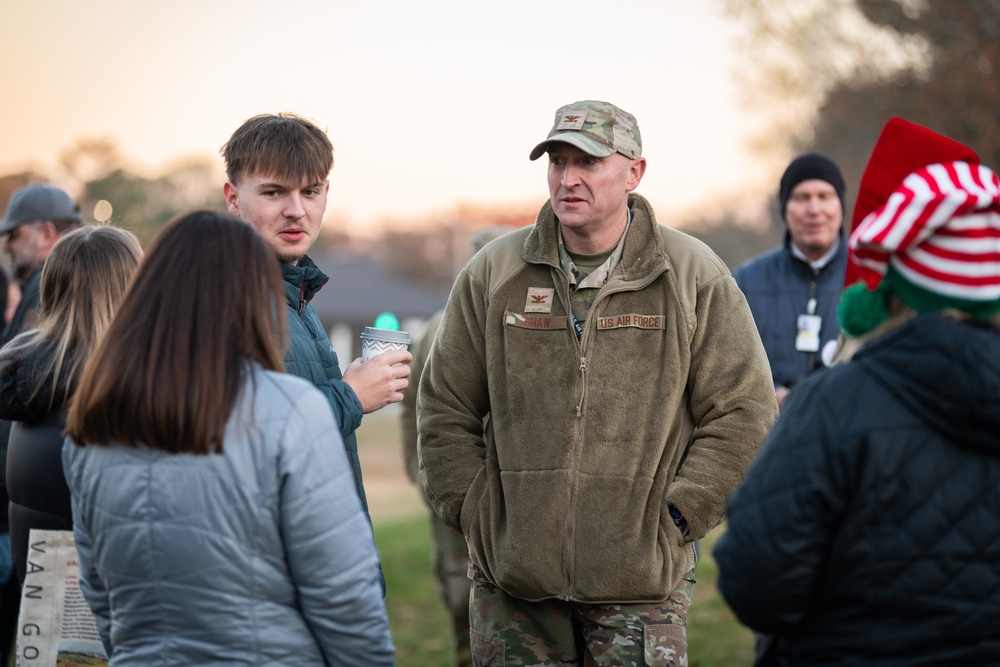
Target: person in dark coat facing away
<point>865,532</point>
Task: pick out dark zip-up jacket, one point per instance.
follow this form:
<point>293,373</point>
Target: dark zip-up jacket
<point>778,286</point>
<point>310,355</point>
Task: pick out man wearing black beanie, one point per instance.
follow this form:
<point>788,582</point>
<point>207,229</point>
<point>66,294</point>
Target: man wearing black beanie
<point>810,166</point>
<point>793,290</point>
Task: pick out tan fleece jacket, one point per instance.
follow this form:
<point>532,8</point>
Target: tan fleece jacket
<point>664,400</point>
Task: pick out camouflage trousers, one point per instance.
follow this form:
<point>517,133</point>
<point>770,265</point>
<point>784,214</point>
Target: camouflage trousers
<point>451,566</point>
<point>509,631</point>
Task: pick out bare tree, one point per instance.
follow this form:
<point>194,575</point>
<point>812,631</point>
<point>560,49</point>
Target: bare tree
<point>794,52</point>
<point>958,95</point>
<point>828,74</point>
<point>90,158</point>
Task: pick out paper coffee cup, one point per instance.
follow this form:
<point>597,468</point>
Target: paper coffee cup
<point>376,341</point>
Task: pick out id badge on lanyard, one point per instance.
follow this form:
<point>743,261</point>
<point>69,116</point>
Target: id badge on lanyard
<point>807,338</point>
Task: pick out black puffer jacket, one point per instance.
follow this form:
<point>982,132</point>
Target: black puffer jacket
<point>866,532</point>
<point>39,497</point>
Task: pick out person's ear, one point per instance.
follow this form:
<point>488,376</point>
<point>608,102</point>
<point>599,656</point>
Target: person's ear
<point>47,234</point>
<point>635,171</point>
<point>232,199</point>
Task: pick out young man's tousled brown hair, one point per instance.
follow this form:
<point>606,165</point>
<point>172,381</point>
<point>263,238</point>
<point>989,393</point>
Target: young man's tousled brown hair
<point>284,146</point>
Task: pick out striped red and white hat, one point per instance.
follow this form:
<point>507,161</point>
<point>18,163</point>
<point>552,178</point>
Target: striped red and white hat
<point>935,243</point>
<point>901,149</point>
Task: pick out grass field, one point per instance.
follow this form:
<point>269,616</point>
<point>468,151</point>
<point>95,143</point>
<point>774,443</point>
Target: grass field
<point>420,628</point>
<point>419,625</point>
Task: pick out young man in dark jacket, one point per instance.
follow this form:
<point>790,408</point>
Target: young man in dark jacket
<point>278,168</point>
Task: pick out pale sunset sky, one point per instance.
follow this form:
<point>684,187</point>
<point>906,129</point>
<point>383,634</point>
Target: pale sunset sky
<point>428,103</point>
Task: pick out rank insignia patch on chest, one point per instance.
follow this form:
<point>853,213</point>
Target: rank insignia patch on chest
<point>539,300</point>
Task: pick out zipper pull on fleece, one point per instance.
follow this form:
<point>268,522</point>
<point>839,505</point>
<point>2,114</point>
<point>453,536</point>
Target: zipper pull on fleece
<point>583,383</point>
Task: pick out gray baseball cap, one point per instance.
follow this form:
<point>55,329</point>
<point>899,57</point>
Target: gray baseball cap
<point>39,201</point>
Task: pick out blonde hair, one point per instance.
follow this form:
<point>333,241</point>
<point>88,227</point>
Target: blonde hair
<point>83,280</point>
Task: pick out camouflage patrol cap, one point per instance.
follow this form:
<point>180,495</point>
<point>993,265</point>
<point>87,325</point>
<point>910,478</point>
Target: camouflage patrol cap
<point>597,128</point>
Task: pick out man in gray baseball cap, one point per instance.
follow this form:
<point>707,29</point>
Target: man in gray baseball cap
<point>37,216</point>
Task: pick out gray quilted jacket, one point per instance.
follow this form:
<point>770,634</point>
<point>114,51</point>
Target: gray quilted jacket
<point>257,556</point>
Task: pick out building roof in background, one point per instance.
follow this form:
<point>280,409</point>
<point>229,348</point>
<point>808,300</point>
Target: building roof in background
<point>360,289</point>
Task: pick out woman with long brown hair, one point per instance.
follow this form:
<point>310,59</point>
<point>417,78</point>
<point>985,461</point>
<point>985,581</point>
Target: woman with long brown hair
<point>215,513</point>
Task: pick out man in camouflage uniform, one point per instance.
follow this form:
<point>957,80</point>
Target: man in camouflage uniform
<point>627,392</point>
<point>450,554</point>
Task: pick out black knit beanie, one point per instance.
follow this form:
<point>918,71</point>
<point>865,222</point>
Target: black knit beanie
<point>808,166</point>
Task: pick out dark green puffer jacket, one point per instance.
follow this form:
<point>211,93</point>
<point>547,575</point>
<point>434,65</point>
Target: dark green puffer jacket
<point>311,356</point>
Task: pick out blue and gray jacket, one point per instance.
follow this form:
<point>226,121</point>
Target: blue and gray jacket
<point>778,286</point>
